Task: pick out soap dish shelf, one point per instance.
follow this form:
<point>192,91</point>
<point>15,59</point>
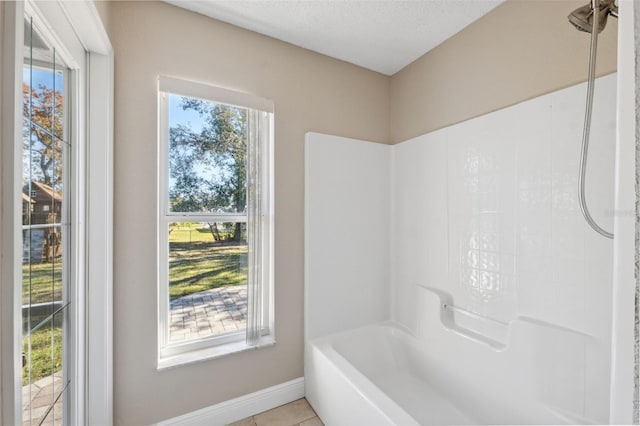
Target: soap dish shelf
<point>486,330</point>
<point>480,328</point>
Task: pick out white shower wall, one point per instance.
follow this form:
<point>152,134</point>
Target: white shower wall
<point>485,214</point>
<point>487,210</point>
<point>347,239</point>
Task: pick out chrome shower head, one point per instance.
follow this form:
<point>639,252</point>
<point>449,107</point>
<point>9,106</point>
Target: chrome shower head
<point>582,17</point>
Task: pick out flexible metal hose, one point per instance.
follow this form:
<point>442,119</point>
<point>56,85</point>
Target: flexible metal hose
<point>586,130</point>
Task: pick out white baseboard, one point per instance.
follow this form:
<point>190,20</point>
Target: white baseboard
<point>244,406</point>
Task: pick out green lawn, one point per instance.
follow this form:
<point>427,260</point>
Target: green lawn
<point>43,362</point>
<point>42,282</point>
<point>197,262</point>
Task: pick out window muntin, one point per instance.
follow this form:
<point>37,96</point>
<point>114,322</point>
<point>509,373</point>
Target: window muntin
<point>216,219</point>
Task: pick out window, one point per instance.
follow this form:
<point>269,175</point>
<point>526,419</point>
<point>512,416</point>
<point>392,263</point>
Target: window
<point>215,221</point>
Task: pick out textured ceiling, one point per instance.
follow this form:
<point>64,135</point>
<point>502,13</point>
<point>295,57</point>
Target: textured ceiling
<point>382,35</point>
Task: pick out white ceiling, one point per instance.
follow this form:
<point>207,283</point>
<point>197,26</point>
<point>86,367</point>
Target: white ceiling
<point>382,35</point>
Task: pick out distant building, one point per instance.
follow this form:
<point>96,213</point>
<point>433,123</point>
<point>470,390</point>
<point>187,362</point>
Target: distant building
<point>41,205</point>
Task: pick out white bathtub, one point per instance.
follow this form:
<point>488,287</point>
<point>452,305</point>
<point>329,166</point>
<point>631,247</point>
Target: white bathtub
<point>381,375</point>
<point>369,376</point>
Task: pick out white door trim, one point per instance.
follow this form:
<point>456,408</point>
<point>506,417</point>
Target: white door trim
<point>99,295</point>
<point>10,214</point>
<point>97,356</point>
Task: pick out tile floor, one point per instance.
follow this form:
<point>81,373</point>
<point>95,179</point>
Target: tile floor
<point>296,413</point>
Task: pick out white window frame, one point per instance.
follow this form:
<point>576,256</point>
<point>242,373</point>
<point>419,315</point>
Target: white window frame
<point>171,355</point>
<point>92,372</point>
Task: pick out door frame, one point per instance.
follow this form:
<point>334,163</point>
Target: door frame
<point>94,213</point>
<point>624,374</point>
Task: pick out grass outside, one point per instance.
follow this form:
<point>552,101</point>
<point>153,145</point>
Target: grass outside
<point>197,262</point>
<point>43,362</point>
<point>41,283</point>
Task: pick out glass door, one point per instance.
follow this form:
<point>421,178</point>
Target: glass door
<point>46,232</point>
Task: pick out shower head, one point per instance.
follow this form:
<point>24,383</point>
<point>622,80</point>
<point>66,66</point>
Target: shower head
<point>582,17</point>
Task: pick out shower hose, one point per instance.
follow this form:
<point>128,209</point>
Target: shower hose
<point>586,130</point>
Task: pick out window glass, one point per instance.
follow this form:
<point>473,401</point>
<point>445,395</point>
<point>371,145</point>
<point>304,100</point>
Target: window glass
<point>207,156</point>
<point>207,280</point>
<point>45,228</point>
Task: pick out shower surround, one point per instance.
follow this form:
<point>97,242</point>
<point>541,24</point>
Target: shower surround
<point>469,240</point>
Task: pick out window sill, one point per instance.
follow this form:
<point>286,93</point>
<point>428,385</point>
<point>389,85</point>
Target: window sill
<point>213,352</point>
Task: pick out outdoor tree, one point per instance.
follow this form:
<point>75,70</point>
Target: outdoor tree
<point>208,166</point>
<point>43,135</point>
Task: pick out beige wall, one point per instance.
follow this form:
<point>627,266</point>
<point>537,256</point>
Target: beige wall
<point>311,93</point>
<point>520,50</point>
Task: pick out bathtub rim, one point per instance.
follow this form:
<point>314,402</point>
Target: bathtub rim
<point>379,401</point>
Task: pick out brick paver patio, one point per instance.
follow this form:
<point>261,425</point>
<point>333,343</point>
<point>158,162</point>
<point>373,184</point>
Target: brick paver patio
<point>197,315</point>
<point>40,397</point>
<point>209,312</point>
